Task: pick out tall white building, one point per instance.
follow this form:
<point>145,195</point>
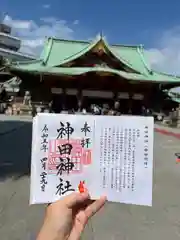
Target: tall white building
<point>10,45</point>
<point>9,49</point>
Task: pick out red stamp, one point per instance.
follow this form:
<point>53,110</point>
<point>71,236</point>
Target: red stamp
<point>79,156</point>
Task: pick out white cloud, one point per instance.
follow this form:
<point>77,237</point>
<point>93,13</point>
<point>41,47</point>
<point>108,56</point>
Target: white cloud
<point>166,56</point>
<point>46,6</point>
<point>76,22</point>
<point>18,24</point>
<point>33,34</point>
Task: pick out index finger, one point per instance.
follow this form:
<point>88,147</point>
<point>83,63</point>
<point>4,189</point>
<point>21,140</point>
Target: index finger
<point>95,207</point>
<point>75,199</point>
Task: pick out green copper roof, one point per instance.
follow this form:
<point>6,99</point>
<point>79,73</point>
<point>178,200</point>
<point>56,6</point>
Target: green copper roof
<point>68,71</point>
<point>133,56</point>
<point>57,52</point>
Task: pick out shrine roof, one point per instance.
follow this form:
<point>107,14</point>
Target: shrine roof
<point>70,71</point>
<point>58,52</point>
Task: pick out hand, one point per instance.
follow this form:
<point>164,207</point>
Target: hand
<point>67,218</point>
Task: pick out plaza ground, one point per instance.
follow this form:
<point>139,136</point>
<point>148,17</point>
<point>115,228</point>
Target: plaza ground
<point>115,222</point>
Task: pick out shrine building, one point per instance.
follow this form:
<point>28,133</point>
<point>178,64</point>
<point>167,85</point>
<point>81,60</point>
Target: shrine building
<point>95,72</point>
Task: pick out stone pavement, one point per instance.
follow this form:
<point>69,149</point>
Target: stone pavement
<point>19,221</point>
<point>175,132</point>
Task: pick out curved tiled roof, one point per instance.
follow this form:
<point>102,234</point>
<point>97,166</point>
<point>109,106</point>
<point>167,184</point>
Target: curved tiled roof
<point>70,71</point>
<point>57,52</point>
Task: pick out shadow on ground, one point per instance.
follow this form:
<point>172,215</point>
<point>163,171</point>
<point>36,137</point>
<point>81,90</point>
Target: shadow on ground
<point>15,148</point>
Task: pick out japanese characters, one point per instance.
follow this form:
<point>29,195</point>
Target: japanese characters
<point>65,162</point>
<point>65,130</point>
<point>43,160</point>
<point>85,142</point>
<point>44,138</point>
<point>111,155</point>
<point>63,187</point>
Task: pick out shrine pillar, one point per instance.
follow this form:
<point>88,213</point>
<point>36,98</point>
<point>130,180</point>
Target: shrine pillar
<point>79,100</point>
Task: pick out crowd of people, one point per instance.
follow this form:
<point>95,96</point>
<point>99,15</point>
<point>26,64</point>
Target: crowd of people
<point>58,105</point>
<point>104,109</point>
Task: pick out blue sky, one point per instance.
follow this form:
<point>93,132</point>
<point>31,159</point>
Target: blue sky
<point>156,24</point>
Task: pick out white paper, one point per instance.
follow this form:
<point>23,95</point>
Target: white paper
<point>111,155</point>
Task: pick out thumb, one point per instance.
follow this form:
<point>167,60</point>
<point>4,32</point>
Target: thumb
<point>76,198</point>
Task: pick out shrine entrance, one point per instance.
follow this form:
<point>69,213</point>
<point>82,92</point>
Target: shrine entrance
<point>99,98</point>
<point>137,107</point>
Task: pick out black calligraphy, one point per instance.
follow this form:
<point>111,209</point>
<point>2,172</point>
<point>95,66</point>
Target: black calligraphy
<point>146,150</point>
<point>64,187</point>
<point>65,148</point>
<point>43,163</point>
<point>85,142</point>
<point>129,157</point>
<point>125,158</point>
<point>43,160</point>
<point>65,130</point>
<point>105,156</point>
<point>133,160</point>
<point>85,129</point>
<point>113,160</point>
<point>119,155</point>
<point>65,165</point>
<point>44,139</point>
<point>43,181</point>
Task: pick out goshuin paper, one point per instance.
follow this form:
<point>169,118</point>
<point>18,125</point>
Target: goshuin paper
<point>106,155</point>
